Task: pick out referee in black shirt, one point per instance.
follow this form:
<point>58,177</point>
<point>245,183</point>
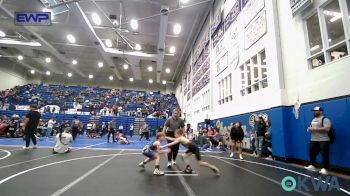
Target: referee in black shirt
<point>31,122</point>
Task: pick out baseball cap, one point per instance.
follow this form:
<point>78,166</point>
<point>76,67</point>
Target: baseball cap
<point>317,108</point>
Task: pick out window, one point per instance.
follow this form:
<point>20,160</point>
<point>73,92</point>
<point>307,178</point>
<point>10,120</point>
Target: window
<point>326,33</point>
<point>206,100</point>
<point>254,74</point>
<point>225,89</point>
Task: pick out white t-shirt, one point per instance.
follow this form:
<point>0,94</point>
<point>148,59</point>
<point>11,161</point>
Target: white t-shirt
<point>63,144</point>
<point>89,126</point>
<point>51,123</point>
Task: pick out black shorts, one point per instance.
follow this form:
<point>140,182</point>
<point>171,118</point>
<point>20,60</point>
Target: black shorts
<point>194,150</point>
<point>237,137</point>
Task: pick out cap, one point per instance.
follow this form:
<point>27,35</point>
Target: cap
<point>317,108</point>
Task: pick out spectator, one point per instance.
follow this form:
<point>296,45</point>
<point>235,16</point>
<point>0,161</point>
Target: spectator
<point>320,141</point>
<point>252,142</point>
<point>131,128</point>
<point>31,122</point>
<point>144,131</point>
<point>50,125</point>
<point>120,128</point>
<point>62,142</point>
<point>260,133</point>
<point>237,136</point>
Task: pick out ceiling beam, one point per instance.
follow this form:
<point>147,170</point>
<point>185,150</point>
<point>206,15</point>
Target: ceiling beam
<point>99,45</point>
<point>135,68</point>
<point>161,41</point>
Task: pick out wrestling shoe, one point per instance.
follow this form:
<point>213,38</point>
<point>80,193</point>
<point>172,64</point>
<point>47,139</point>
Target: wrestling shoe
<point>157,172</point>
<point>142,165</point>
<point>310,168</point>
<point>169,165</point>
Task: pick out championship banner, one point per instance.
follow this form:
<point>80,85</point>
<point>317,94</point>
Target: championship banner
<point>232,15</point>
<point>216,23</point>
<point>243,3</point>
<point>217,36</point>
<point>232,44</point>
<point>221,65</point>
<point>253,7</point>
<point>255,31</point>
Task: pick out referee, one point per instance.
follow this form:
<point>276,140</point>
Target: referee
<point>31,122</point>
<point>171,125</point>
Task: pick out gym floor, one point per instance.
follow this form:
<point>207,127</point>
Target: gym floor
<point>95,167</point>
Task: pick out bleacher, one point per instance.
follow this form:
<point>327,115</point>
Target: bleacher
<point>90,98</point>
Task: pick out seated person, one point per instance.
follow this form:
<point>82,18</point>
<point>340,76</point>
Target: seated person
<point>121,138</point>
<point>62,142</point>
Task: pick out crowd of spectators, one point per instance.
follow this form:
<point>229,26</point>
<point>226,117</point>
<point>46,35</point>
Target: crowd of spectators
<point>96,101</point>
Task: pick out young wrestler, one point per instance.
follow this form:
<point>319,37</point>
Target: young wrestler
<point>192,149</point>
<point>153,152</point>
<point>121,138</point>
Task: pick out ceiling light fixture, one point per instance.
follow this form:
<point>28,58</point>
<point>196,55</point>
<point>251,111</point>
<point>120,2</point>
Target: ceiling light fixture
<point>177,29</point>
<point>138,47</point>
<point>32,71</point>
<point>48,73</point>
<point>164,82</point>
<point>91,76</point>
<point>131,79</point>
<point>48,60</point>
<point>96,18</point>
<point>74,62</point>
<point>126,66</point>
<point>134,24</point>
<point>172,49</point>
<point>71,38</point>
<point>167,70</point>
<point>111,78</point>
<point>100,64</point>
<point>150,81</point>
<point>108,43</point>
<point>69,75</point>
<point>20,57</point>
<point>150,68</point>
<point>184,1</point>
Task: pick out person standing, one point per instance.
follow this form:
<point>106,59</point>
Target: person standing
<point>120,128</point>
<point>171,125</point>
<point>75,127</point>
<point>31,122</point>
<point>320,141</point>
<point>111,130</point>
<point>237,135</point>
<point>144,131</point>
<point>50,126</point>
<point>131,128</point>
<point>260,134</point>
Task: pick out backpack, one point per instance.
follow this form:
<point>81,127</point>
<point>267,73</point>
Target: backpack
<point>331,133</point>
